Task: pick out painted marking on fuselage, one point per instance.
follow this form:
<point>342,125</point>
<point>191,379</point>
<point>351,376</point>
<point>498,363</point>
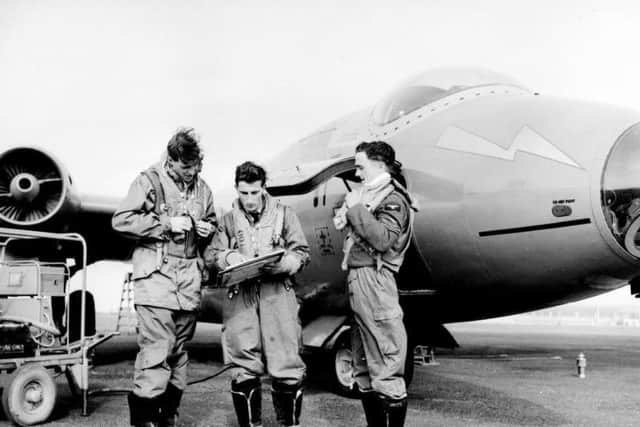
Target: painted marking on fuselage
<point>535,227</point>
<point>527,141</point>
<point>324,241</point>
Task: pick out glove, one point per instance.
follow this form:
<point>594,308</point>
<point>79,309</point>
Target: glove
<point>289,264</point>
<point>234,258</point>
<point>352,199</point>
<point>180,224</point>
<point>340,220</point>
<point>204,228</point>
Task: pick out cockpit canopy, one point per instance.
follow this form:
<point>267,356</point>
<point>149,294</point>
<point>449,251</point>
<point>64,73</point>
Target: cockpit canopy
<point>433,85</point>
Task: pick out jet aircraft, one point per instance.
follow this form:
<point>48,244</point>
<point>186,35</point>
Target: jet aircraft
<point>527,201</point>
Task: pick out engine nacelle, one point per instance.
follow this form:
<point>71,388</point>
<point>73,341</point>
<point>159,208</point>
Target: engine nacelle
<point>35,190</point>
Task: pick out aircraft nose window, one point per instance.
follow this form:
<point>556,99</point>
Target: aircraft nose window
<point>431,86</point>
<point>621,190</point>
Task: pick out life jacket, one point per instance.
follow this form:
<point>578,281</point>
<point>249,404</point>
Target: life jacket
<point>184,246</point>
<point>154,177</point>
<point>394,256</point>
<point>258,243</point>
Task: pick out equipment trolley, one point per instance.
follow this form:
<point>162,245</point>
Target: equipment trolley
<point>45,329</point>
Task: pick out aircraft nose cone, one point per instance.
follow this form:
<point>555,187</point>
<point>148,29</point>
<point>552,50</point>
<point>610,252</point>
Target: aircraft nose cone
<point>621,190</point>
<point>24,187</point>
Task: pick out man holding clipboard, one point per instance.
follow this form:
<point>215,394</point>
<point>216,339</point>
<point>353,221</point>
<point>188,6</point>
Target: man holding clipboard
<point>261,314</point>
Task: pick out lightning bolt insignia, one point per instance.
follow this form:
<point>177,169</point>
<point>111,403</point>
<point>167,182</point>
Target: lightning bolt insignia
<point>527,141</point>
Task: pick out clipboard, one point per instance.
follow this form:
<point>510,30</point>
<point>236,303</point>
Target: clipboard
<point>247,270</point>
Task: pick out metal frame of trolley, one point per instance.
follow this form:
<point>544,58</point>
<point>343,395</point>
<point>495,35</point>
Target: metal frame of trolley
<point>30,394</point>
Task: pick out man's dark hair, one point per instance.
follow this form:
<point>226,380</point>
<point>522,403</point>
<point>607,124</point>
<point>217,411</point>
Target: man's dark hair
<point>185,145</point>
<point>250,172</point>
<point>382,152</point>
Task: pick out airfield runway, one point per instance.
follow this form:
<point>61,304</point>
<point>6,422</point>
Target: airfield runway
<point>503,375</point>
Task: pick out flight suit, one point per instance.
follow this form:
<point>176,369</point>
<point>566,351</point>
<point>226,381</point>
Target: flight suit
<point>261,321</point>
<point>382,234</point>
<point>166,280</point>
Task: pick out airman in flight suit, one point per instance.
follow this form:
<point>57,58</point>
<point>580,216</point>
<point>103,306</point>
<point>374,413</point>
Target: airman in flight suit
<point>261,325</point>
<point>379,218</point>
<point>169,212</point>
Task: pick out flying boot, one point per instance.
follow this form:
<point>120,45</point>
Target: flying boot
<point>373,410</point>
<point>144,412</point>
<point>287,401</point>
<point>169,404</point>
<point>395,410</point>
<point>247,401</point>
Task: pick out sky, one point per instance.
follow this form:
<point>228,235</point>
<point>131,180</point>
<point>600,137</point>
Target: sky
<point>102,85</point>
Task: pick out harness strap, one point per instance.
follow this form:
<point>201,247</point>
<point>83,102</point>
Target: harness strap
<point>381,262</point>
<point>278,228</point>
<point>353,238</point>
<point>279,225</point>
<point>154,177</point>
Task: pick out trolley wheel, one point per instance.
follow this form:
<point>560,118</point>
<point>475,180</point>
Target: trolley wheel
<point>30,396</point>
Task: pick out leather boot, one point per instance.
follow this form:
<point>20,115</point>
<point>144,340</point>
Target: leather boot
<point>144,412</point>
<point>395,411</point>
<point>247,401</point>
<point>287,401</point>
<point>169,404</point>
<point>373,410</point>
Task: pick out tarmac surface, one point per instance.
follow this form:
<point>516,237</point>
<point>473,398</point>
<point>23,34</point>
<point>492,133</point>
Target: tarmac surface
<point>502,375</point>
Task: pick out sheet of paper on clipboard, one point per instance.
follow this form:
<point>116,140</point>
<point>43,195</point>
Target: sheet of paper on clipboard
<point>247,270</point>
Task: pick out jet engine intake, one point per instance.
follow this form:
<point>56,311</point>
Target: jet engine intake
<point>620,192</point>
<point>631,235</point>
<point>34,188</point>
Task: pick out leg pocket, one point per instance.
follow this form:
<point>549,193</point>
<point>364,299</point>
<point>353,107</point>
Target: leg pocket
<point>388,331</point>
<point>151,356</point>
